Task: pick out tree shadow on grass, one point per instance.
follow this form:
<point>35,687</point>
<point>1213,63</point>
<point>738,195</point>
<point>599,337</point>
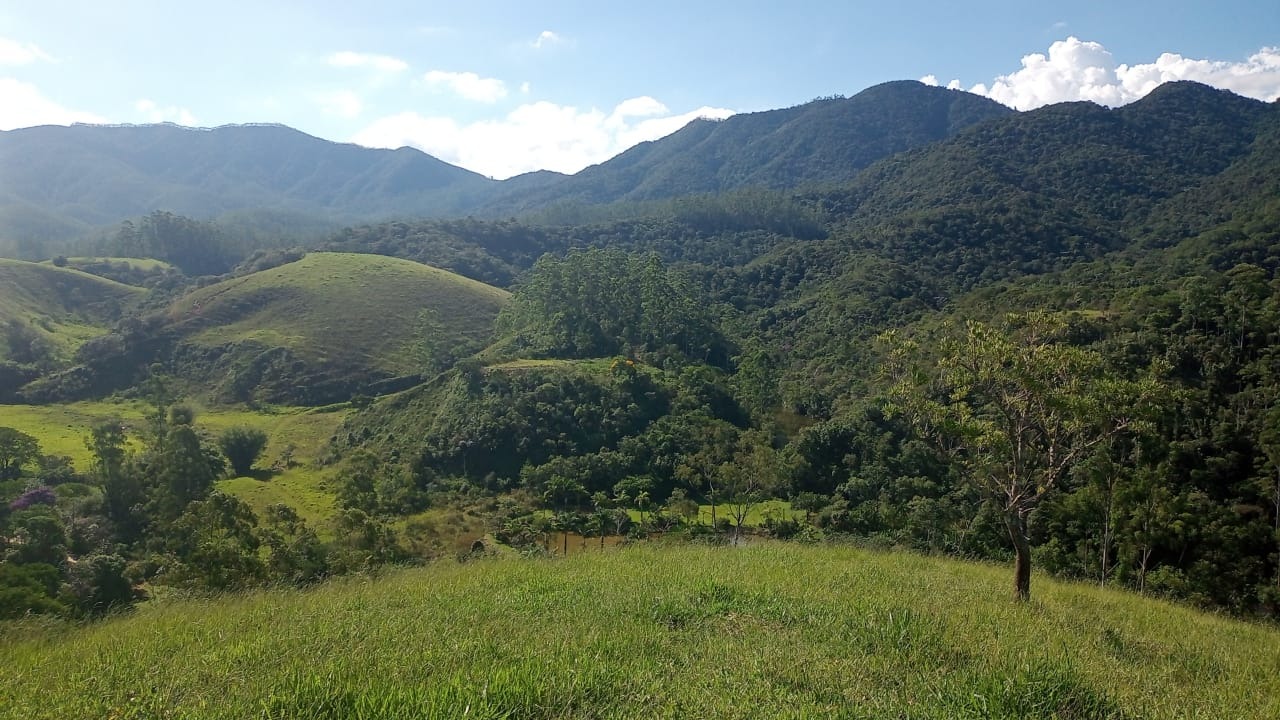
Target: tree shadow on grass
<point>262,475</point>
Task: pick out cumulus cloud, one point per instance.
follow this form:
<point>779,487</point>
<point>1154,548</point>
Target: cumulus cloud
<point>1076,69</point>
<point>13,52</point>
<point>367,61</point>
<point>535,136</point>
<point>23,105</point>
<point>343,103</point>
<point>467,84</point>
<point>155,113</point>
<point>546,38</point>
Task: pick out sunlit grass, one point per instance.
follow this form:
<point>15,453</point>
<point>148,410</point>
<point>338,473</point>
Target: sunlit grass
<point>647,631</point>
<point>357,309</point>
<point>297,433</point>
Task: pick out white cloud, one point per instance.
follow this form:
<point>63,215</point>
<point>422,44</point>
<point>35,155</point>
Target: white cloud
<point>546,38</point>
<point>467,84</point>
<point>380,63</point>
<point>930,80</point>
<point>343,103</point>
<point>534,136</point>
<point>22,105</point>
<point>154,113</point>
<point>13,52</point>
<point>1080,70</point>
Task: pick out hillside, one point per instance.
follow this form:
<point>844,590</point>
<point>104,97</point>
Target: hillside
<point>317,329</point>
<point>59,308</point>
<point>824,141</point>
<point>62,181</point>
<point>659,633</point>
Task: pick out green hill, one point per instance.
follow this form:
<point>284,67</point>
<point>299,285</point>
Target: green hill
<point>656,632</point>
<point>60,307</point>
<point>316,330</point>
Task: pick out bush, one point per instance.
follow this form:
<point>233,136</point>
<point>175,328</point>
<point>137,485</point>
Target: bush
<point>242,446</point>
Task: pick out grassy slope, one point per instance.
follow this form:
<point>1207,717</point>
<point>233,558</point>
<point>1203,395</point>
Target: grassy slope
<point>62,429</point>
<point>360,310</point>
<point>66,306</point>
<point>767,631</point>
<point>139,263</point>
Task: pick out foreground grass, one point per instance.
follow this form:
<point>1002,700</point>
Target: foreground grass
<point>767,631</point>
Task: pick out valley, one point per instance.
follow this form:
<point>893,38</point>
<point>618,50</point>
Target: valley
<point>800,392</point>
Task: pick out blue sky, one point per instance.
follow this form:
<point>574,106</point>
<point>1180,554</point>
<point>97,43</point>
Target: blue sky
<point>507,87</point>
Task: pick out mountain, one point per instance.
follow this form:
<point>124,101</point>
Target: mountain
<point>61,181</point>
<point>824,141</point>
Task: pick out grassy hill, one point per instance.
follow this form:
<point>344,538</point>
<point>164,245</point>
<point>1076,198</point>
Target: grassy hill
<point>656,632</point>
<point>64,307</point>
<point>332,321</point>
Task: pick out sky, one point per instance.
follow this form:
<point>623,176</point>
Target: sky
<point>503,88</point>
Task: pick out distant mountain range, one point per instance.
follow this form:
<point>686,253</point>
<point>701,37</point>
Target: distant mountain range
<point>61,182</point>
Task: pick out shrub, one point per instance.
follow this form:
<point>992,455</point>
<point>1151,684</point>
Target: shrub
<point>242,446</point>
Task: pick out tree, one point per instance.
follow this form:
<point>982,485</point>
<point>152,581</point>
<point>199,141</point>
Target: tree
<point>752,477</point>
<point>296,554</point>
<point>242,445</point>
<point>121,486</point>
<point>1017,411</point>
<point>217,543</point>
<point>16,449</point>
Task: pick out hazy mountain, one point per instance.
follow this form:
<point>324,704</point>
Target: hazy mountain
<point>58,181</point>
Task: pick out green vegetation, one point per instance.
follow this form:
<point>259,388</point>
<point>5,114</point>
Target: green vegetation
<point>242,446</point>
<point>657,632</point>
<point>47,312</point>
<point>1047,337</point>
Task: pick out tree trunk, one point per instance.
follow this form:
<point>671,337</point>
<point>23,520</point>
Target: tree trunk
<point>1016,523</point>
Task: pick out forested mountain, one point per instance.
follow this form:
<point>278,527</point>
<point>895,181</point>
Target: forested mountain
<point>59,182</point>
<point>824,141</point>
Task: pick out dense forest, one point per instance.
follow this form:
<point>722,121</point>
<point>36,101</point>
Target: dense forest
<point>1051,338</point>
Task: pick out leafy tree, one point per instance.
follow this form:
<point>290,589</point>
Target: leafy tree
<point>122,487</point>
<point>30,588</point>
<point>40,537</point>
<point>1018,410</point>
<point>216,544</point>
<point>750,478</point>
<point>242,445</point>
<point>99,584</point>
<point>296,554</point>
<point>16,449</point>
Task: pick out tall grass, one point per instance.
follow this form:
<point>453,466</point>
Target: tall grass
<point>768,631</point>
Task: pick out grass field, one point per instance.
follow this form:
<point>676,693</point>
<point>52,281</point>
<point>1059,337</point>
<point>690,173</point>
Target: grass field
<point>361,310</point>
<point>647,631</point>
<point>302,433</point>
